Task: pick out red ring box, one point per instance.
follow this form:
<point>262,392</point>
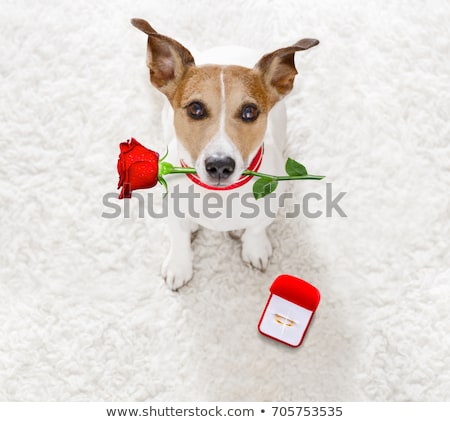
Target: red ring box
<point>289,310</point>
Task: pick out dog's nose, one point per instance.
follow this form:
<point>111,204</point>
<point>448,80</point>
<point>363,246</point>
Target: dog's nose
<point>219,167</point>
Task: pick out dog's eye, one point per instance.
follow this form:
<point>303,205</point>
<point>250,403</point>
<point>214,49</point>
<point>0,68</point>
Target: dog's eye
<point>249,113</point>
<point>196,110</point>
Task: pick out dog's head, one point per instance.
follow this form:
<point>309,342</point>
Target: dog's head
<point>220,112</point>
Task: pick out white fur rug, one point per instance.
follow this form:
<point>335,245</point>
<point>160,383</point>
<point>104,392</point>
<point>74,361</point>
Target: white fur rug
<point>84,313</point>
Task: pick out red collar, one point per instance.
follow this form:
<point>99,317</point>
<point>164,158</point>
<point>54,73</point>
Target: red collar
<point>254,166</point>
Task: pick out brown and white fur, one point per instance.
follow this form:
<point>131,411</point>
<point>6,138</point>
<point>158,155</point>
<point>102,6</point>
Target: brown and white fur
<point>217,117</point>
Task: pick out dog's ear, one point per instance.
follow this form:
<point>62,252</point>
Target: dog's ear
<point>167,59</point>
<point>278,70</point>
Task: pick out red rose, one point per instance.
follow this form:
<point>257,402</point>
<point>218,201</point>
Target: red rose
<point>137,167</point>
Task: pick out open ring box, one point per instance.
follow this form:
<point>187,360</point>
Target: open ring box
<point>289,310</point>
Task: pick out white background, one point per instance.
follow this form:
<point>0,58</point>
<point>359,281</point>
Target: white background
<point>84,313</point>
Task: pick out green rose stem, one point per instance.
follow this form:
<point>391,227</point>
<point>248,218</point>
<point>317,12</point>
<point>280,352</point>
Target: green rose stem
<point>190,170</point>
<point>281,178</point>
<point>265,185</point>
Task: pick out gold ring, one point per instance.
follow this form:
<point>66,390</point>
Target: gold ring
<point>280,319</point>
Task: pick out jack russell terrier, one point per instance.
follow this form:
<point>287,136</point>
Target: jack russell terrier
<point>221,119</point>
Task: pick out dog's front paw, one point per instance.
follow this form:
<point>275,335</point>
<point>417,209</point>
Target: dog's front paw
<point>256,249</point>
<point>177,271</point>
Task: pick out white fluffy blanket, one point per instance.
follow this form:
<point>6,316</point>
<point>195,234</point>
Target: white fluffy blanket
<point>84,312</point>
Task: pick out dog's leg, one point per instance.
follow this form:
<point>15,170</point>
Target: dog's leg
<point>256,247</point>
<point>177,267</point>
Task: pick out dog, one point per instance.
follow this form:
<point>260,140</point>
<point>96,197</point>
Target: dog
<point>221,119</point>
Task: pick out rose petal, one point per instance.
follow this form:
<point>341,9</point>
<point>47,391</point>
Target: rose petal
<point>137,167</point>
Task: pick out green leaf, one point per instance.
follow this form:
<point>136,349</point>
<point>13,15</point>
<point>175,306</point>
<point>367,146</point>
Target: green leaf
<point>164,183</point>
<point>264,186</point>
<point>294,168</point>
<point>165,155</point>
